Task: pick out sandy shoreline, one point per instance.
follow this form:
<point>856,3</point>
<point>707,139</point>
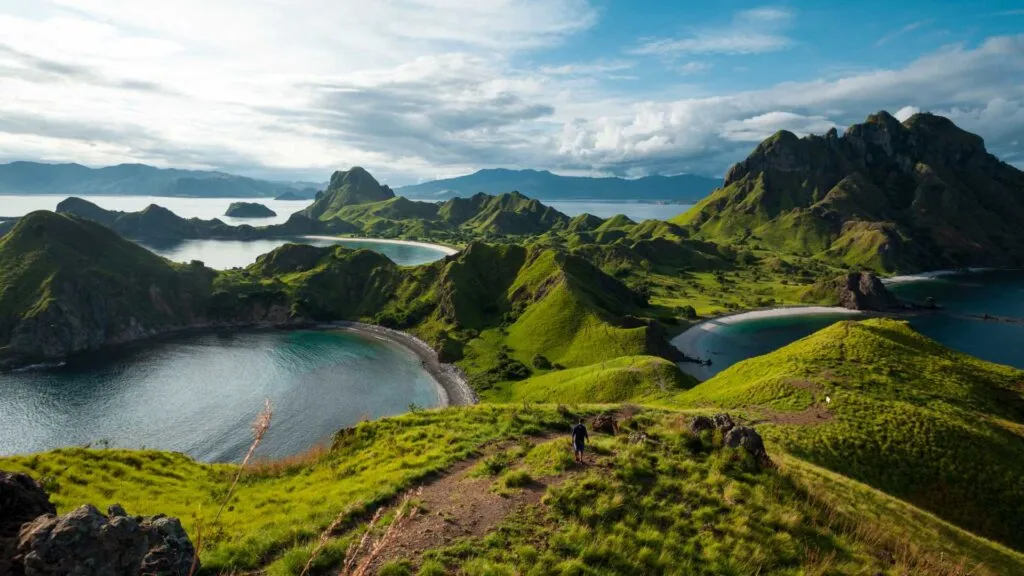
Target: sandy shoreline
<point>453,387</point>
<point>447,250</point>
<point>689,342</point>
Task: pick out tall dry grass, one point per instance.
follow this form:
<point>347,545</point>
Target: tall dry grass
<point>260,426</point>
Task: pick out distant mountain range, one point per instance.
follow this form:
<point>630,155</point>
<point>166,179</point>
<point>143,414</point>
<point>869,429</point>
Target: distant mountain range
<point>139,180</point>
<point>545,186</point>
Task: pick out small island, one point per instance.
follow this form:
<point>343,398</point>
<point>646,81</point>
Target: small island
<point>249,210</point>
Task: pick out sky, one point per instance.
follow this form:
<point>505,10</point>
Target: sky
<point>415,90</point>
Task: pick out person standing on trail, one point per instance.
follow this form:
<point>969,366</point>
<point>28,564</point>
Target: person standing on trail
<point>579,440</point>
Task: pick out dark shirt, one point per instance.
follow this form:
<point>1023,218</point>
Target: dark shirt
<point>579,434</point>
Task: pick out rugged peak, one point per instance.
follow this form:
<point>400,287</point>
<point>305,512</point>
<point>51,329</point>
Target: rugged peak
<point>347,188</point>
<point>783,151</point>
<point>355,176</point>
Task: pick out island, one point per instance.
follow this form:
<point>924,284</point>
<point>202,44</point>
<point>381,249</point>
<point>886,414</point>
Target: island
<point>864,448</point>
<point>249,210</point>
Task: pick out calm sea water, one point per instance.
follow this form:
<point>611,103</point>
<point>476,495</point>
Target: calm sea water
<point>998,294</point>
<point>224,254</point>
<point>219,254</point>
<point>208,208</point>
<point>636,211</point>
<point>205,208</point>
<point>198,395</point>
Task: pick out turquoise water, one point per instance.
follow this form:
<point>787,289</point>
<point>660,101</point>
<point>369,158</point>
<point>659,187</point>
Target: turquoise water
<point>199,394</point>
<point>996,293</point>
<point>224,254</point>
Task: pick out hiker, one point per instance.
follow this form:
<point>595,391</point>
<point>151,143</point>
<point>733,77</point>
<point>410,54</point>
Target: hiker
<point>579,439</point>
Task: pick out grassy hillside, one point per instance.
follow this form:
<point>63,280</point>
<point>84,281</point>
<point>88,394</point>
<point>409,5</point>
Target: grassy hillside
<point>673,503</point>
<point>622,379</point>
<point>939,429</point>
<point>68,285</point>
<point>918,195</point>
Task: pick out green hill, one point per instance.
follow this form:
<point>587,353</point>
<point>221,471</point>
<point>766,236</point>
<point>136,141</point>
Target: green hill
<point>889,196</point>
<point>655,500</point>
<point>934,427</point>
<point>69,285</point>
<point>348,188</point>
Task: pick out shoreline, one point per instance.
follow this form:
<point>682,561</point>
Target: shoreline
<point>446,250</point>
<point>453,387</point>
<point>689,341</point>
<point>452,384</point>
<point>936,274</point>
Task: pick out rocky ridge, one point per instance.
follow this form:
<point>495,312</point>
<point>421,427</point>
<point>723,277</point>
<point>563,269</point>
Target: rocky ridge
<point>36,541</point>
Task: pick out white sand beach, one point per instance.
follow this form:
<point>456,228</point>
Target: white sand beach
<point>932,275</point>
<point>448,250</point>
<point>690,341</point>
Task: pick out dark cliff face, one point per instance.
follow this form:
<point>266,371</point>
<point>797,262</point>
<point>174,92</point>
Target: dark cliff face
<point>69,286</point>
<point>886,195</point>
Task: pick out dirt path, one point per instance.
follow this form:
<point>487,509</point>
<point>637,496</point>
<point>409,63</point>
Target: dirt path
<point>463,505</point>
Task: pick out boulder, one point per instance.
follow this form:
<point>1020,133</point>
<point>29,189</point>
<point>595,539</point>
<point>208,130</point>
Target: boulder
<point>21,500</point>
<point>864,291</point>
<point>605,423</point>
<point>86,542</point>
<point>721,422</point>
<point>748,439</point>
<point>35,541</point>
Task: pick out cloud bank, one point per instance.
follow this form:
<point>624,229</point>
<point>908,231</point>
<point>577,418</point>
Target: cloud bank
<point>416,89</point>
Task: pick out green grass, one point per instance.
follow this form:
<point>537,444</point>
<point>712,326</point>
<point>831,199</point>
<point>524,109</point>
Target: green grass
<point>621,379</point>
<point>939,429</point>
<point>681,504</point>
<point>279,510</point>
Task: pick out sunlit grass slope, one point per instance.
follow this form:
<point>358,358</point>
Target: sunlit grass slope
<point>937,428</point>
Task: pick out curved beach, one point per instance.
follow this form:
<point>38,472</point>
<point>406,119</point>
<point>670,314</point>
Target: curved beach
<point>691,340</point>
<point>447,250</point>
<point>453,387</point>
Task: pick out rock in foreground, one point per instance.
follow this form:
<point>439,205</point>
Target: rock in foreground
<point>34,541</point>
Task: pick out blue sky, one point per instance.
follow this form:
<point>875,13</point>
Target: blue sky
<point>421,89</point>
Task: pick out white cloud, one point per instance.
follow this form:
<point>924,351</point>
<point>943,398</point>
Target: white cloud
<point>757,128</point>
<point>598,67</point>
<point>694,67</point>
<point>750,32</point>
<point>904,30</point>
<point>416,88</point>
<point>906,112</point>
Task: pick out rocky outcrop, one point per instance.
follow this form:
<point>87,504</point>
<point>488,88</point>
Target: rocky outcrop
<point>721,422</point>
<point>885,195</point>
<point>605,423</point>
<point>35,541</point>
<point>22,500</point>
<point>748,439</point>
<point>864,291</point>
<point>249,210</point>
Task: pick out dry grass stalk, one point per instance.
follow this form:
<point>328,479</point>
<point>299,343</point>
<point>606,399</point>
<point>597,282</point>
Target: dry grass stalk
<point>259,429</point>
<point>356,567</point>
<point>325,536</point>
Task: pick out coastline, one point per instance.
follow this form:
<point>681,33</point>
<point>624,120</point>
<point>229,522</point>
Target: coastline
<point>447,250</point>
<point>453,387</point>
<point>689,341</point>
<point>936,274</point>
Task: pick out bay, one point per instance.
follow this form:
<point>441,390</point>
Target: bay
<point>199,394</point>
<point>962,297</point>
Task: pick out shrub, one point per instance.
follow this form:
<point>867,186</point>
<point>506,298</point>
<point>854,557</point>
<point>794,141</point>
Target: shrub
<point>541,362</point>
